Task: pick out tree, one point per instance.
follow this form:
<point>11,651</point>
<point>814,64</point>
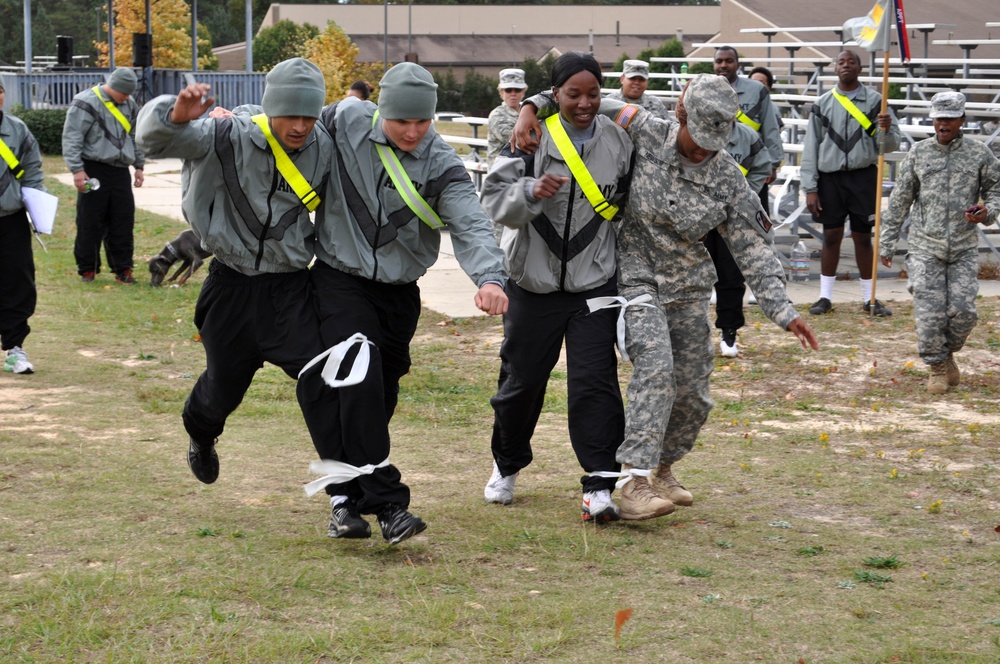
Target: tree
<point>538,75</point>
<point>206,59</point>
<point>170,22</point>
<point>334,53</point>
<point>284,40</point>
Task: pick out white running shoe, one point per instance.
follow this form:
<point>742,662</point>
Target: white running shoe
<point>728,346</point>
<point>17,362</point>
<point>714,298</point>
<point>752,299</point>
<point>598,507</point>
<point>500,489</point>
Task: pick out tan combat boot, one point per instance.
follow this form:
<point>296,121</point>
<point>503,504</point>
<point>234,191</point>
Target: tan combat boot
<point>666,485</point>
<point>951,370</point>
<point>938,382</point>
<point>639,501</point>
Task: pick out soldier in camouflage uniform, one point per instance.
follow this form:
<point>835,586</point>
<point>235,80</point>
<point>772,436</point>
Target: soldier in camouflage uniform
<point>940,184</point>
<point>634,79</point>
<point>684,184</point>
<point>503,117</point>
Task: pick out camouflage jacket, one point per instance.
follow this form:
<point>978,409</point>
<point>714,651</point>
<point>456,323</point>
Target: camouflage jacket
<point>649,102</point>
<point>671,207</point>
<point>936,183</point>
<point>501,126</point>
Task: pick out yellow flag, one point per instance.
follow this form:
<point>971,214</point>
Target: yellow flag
<point>872,32</point>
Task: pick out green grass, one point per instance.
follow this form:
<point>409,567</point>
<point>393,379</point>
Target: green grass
<point>812,469</point>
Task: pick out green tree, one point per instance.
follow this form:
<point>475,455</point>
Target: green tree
<point>538,75</point>
<point>284,40</point>
<point>479,94</point>
<point>449,91</point>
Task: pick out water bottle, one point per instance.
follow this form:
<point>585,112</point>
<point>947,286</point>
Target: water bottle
<point>799,260</point>
<point>684,67</point>
<point>93,184</point>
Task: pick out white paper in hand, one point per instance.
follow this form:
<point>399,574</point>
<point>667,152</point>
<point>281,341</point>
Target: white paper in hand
<point>41,208</point>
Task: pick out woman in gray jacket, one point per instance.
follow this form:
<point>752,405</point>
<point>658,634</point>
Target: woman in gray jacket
<point>560,252</point>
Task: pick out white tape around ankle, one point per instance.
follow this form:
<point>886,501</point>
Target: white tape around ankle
<point>630,474</point>
<point>335,355</point>
<point>612,301</point>
<point>337,472</point>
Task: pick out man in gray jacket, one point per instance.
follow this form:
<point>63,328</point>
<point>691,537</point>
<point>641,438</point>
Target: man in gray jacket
<point>98,143</point>
<point>21,167</point>
<point>372,246</point>
<point>840,176</point>
<point>249,186</point>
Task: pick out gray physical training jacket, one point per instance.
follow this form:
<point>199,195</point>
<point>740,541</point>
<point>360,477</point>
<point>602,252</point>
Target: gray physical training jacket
<point>91,132</point>
<point>16,135</point>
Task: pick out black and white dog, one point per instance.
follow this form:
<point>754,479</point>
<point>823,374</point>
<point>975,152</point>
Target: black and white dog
<point>185,248</point>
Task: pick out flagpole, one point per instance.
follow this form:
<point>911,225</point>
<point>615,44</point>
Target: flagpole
<point>887,46</point>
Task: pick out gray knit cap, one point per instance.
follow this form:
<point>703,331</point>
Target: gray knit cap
<point>294,87</point>
<point>123,80</point>
<point>407,92</point>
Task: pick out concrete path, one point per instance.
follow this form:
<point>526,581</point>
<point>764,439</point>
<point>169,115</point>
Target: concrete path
<point>446,288</point>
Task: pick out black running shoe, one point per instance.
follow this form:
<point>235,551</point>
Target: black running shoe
<point>880,309</point>
<point>347,523</point>
<point>822,306</point>
<point>203,461</point>
<point>397,524</point>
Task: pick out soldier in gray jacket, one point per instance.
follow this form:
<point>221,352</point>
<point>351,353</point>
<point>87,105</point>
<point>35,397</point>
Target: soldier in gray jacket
<point>394,186</point>
<point>21,167</point>
<point>747,149</point>
<point>840,176</point>
<point>560,253</point>
<point>98,143</point>
<point>683,185</point>
<point>940,184</point>
<point>255,305</point>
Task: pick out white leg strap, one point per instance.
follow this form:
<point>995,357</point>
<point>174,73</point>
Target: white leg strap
<point>612,301</point>
<point>335,355</point>
<point>337,472</point>
<point>631,474</point>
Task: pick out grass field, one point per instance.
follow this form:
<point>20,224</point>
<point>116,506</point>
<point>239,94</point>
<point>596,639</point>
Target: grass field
<point>841,513</point>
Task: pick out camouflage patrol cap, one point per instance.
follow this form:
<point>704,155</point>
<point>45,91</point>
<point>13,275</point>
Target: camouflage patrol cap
<point>711,105</point>
<point>633,68</point>
<point>947,105</point>
<point>512,78</point>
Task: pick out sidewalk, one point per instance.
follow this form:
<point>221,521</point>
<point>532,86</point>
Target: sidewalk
<point>446,288</point>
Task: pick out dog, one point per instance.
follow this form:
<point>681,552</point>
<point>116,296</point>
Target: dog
<point>185,248</point>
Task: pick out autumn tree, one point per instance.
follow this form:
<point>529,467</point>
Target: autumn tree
<point>334,53</point>
<point>281,41</point>
<point>170,22</point>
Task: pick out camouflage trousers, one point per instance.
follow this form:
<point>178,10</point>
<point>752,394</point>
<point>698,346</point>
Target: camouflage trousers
<point>944,302</point>
<point>672,355</point>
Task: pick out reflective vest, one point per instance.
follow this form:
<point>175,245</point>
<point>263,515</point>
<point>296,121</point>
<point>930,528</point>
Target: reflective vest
<point>579,169</point>
<point>288,170</point>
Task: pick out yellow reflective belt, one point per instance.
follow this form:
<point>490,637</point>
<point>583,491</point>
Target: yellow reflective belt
<point>855,112</point>
<point>745,119</point>
<point>292,176</point>
<point>114,110</point>
<point>404,185</point>
<point>743,169</point>
<point>579,169</point>
<point>12,162</point>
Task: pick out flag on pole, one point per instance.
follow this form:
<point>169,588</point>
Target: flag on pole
<point>871,32</point>
<point>904,39</point>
